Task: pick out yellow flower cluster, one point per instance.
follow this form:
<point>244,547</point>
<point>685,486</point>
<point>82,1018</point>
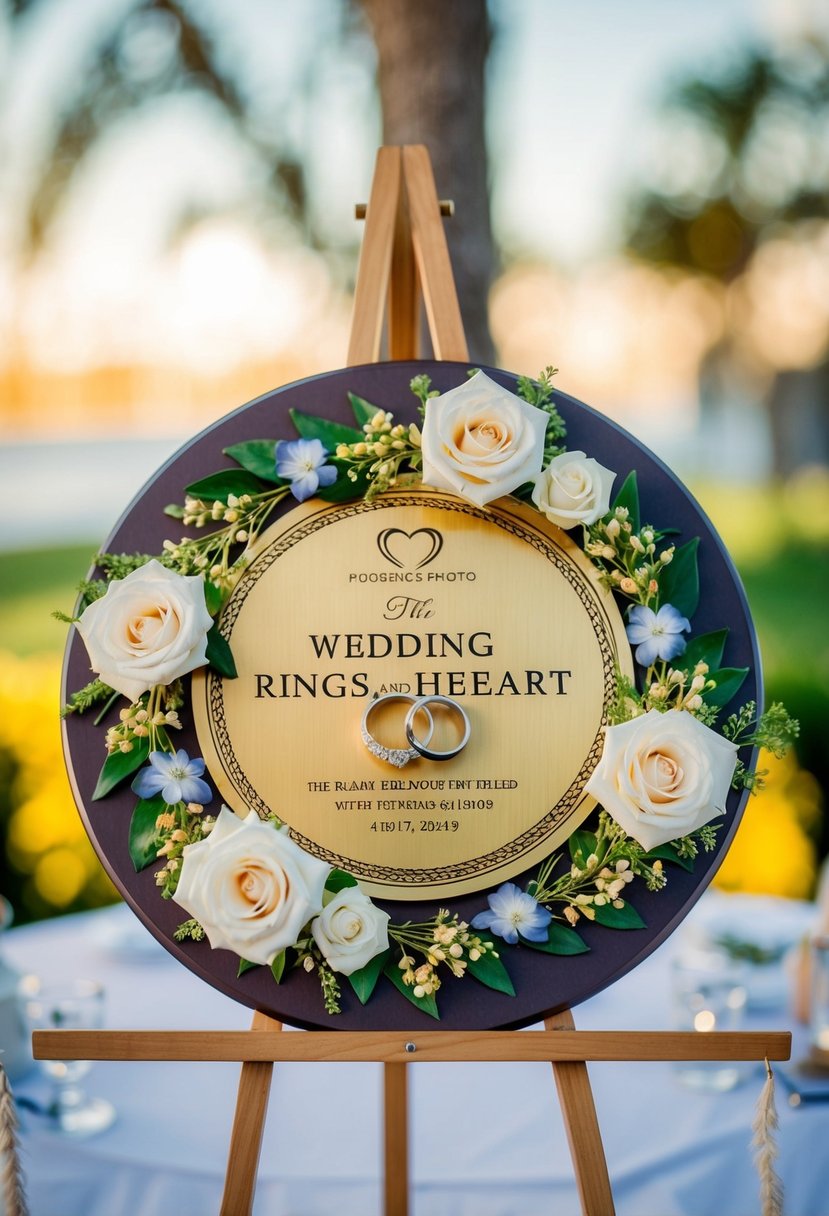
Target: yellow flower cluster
<point>45,842</point>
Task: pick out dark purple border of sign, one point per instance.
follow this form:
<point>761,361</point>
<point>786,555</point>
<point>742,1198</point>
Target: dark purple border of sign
<point>544,983</point>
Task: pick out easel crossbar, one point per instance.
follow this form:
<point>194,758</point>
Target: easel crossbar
<point>391,1047</point>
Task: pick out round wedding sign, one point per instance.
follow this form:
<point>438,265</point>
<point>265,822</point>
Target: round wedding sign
<point>409,696</point>
<point>420,594</point>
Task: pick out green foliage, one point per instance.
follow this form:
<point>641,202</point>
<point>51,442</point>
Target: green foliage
<point>120,765</point>
<point>491,972</point>
<point>338,880</point>
<point>775,730</point>
<point>91,694</point>
<point>560,940</point>
<point>245,965</point>
<point>707,648</point>
<point>90,589</point>
<point>729,681</point>
<point>189,930</point>
<point>427,1004</point>
<point>628,498</point>
<point>365,980</point>
<point>119,565</point>
<point>679,582</point>
<point>143,838</point>
<point>669,852</point>
<point>583,845</point>
<point>217,487</point>
<point>540,394</point>
<point>625,700</point>
<point>219,654</point>
<point>421,387</point>
<point>213,597</point>
<point>625,917</point>
<point>345,487</point>
<point>363,410</point>
<point>278,965</point>
<point>330,434</point>
<point>330,988</point>
<point>258,456</point>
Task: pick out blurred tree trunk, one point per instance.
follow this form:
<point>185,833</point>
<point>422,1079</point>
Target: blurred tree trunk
<point>431,63</point>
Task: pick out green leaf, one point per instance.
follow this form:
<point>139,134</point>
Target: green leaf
<point>338,880</point>
<point>679,582</point>
<point>707,648</point>
<point>278,965</point>
<point>427,1003</point>
<point>344,489</point>
<point>227,481</point>
<point>364,411</point>
<point>174,511</point>
<point>560,940</point>
<point>258,456</point>
<point>581,845</point>
<point>143,835</point>
<point>245,965</point>
<point>120,765</point>
<point>492,973</point>
<point>329,433</point>
<point>365,980</point>
<point>213,597</point>
<point>619,918</point>
<point>628,496</point>
<point>219,655</point>
<point>668,852</point>
<point>729,682</point>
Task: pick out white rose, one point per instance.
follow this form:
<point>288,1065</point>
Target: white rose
<point>481,441</point>
<point>663,775</point>
<point>150,628</point>
<point>573,489</point>
<point>350,931</point>
<point>250,886</point>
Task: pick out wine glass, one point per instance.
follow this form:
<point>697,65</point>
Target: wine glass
<point>70,1005</point>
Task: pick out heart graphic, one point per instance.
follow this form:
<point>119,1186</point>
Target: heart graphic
<point>412,549</point>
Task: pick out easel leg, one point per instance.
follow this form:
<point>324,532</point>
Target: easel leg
<point>586,1149</point>
<point>248,1129</point>
<point>396,1140</point>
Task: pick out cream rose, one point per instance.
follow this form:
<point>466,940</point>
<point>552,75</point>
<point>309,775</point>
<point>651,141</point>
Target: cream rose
<point>350,931</point>
<point>150,628</point>
<point>250,886</point>
<point>481,441</point>
<point>663,775</point>
<point>573,489</point>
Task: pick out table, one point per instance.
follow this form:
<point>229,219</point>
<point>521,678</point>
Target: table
<point>487,1139</point>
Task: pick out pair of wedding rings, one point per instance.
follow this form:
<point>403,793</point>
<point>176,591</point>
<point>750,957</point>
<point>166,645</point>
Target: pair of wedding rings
<point>419,709</point>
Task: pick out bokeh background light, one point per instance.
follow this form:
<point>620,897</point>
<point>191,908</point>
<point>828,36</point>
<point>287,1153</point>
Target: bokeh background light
<point>177,236</point>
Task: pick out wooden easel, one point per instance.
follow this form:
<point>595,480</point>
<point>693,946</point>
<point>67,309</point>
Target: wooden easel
<point>404,254</point>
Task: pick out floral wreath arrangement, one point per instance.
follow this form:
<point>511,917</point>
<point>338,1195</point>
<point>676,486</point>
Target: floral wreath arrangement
<point>662,780</point>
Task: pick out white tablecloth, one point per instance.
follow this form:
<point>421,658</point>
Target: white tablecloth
<point>487,1139</point>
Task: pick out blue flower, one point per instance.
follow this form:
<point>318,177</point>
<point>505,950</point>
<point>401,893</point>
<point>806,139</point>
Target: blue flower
<point>656,635</point>
<point>302,462</point>
<point>513,911</point>
<point>176,778</point>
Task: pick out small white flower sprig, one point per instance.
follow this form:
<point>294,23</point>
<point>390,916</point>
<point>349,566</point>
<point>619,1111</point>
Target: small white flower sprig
<point>481,443</point>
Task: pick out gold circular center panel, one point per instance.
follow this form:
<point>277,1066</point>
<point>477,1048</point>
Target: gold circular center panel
<point>422,594</point>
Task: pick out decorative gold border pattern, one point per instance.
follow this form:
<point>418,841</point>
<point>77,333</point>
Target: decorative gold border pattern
<point>529,839</point>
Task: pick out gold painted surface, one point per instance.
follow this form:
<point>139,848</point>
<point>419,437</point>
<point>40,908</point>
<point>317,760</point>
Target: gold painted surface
<point>417,592</point>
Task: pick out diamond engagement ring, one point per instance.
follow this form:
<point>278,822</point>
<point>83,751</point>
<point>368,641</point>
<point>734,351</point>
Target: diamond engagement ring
<point>419,705</point>
<point>398,756</point>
